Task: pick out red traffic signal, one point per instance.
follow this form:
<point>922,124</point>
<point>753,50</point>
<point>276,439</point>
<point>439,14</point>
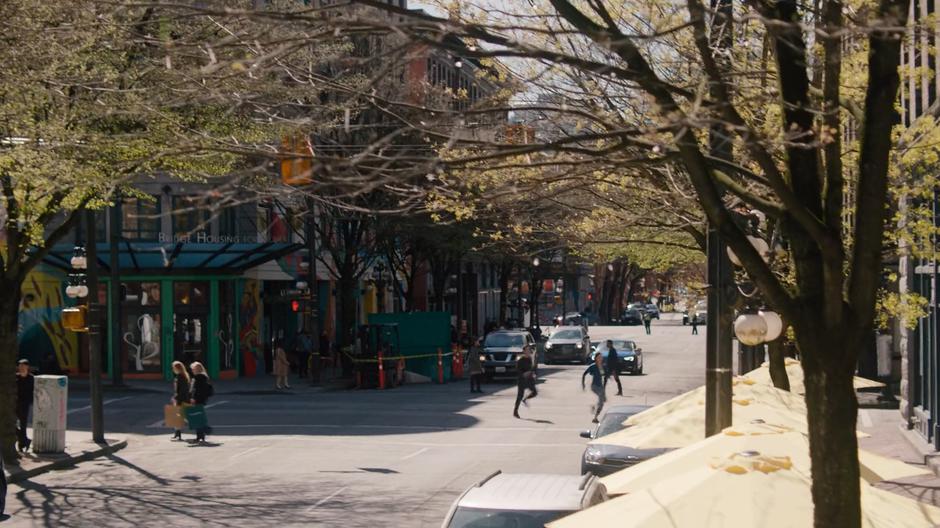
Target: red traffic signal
<point>295,306</point>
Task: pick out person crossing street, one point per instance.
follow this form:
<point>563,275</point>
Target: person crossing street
<point>596,370</point>
<point>525,380</point>
<point>613,367</point>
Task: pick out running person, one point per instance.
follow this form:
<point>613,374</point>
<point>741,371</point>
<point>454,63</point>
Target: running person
<point>596,370</point>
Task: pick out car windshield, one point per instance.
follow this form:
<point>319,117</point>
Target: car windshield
<point>567,334</point>
<point>483,518</point>
<point>621,346</point>
<point>611,423</point>
<point>504,340</point>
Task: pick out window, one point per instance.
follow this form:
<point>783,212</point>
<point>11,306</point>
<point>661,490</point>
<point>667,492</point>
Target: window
<point>140,218</point>
<point>190,217</point>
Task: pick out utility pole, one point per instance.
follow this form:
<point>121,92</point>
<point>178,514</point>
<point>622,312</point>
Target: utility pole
<point>93,340</point>
<point>718,360</point>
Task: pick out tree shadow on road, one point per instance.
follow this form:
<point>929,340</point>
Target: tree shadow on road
<point>244,500</point>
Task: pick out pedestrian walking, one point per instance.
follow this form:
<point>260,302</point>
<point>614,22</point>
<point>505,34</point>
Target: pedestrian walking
<point>201,390</point>
<point>648,322</point>
<point>475,366</point>
<point>694,326</point>
<point>281,366</point>
<point>525,380</point>
<point>304,352</point>
<point>25,383</point>
<point>181,392</point>
<point>596,370</point>
<point>613,367</point>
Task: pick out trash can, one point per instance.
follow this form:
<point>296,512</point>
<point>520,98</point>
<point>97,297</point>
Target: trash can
<point>50,405</point>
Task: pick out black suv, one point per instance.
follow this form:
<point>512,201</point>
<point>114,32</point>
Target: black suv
<point>502,348</point>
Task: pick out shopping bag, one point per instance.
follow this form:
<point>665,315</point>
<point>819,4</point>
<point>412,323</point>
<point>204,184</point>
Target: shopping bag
<point>196,417</point>
<point>173,416</point>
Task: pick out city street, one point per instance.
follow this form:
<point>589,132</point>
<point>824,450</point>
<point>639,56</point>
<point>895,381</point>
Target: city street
<point>339,458</point>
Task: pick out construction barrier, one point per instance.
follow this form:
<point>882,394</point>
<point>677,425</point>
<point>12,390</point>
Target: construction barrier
<point>457,364</point>
<point>383,363</point>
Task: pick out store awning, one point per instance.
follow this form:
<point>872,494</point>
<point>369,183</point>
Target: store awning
<point>195,257</point>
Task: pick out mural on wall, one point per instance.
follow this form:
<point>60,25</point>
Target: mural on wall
<point>144,344</point>
<point>42,338</point>
<point>249,326</point>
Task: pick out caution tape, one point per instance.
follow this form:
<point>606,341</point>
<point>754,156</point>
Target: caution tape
<point>395,358</point>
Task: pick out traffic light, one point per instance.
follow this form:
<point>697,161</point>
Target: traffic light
<point>295,306</point>
<point>296,170</point>
<point>590,296</point>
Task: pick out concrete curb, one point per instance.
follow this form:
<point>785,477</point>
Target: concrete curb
<point>19,475</point>
<point>931,457</point>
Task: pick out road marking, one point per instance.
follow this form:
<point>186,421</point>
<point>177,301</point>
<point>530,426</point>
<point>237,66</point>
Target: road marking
<point>245,452</point>
<point>865,418</point>
<point>325,500</point>
<point>159,423</point>
<point>416,453</point>
<point>106,402</point>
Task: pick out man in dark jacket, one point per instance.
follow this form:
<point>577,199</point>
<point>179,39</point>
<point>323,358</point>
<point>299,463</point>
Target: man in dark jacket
<point>525,380</point>
<point>597,384</point>
<point>24,400</point>
<point>613,367</point>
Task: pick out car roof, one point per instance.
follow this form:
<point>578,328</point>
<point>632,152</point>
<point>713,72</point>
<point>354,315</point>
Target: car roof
<point>569,327</point>
<point>526,491</point>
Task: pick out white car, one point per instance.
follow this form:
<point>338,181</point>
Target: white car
<point>523,500</point>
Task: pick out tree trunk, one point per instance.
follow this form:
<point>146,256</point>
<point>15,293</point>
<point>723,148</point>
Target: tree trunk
<point>778,366</point>
<point>504,272</point>
<point>832,413</point>
<point>9,350</point>
<point>347,321</point>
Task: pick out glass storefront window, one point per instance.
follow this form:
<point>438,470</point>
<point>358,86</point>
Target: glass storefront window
<point>190,217</point>
<point>227,327</point>
<point>141,348</point>
<point>140,218</point>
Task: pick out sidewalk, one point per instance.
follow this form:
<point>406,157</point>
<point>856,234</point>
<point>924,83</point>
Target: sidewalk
<point>888,439</point>
<point>78,448</point>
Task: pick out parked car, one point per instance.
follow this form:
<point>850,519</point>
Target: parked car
<point>602,459</point>
<point>631,316</point>
<point>652,310</point>
<point>631,356</point>
<point>502,348</point>
<point>523,500</point>
<point>568,343</point>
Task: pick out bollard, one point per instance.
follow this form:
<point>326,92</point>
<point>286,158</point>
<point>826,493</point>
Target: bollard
<point>381,371</point>
<point>440,366</point>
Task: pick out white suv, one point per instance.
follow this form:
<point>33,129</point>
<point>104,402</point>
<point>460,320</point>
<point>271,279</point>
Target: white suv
<point>523,500</point>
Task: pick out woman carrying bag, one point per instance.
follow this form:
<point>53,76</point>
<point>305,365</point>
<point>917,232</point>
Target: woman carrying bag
<point>201,392</point>
<point>281,366</point>
<point>181,396</point>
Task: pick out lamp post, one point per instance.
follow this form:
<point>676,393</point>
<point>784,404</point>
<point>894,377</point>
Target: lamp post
<point>83,280</point>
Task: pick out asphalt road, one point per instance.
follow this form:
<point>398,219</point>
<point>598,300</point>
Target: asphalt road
<point>341,458</point>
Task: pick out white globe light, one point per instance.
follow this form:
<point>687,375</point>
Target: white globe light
<point>79,262</point>
<point>71,291</point>
<point>774,324</point>
<point>734,258</point>
<point>750,329</point>
<point>82,290</point>
<point>761,246</point>
<point>301,285</point>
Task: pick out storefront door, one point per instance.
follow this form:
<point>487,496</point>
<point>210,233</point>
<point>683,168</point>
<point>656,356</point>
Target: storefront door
<point>190,317</point>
